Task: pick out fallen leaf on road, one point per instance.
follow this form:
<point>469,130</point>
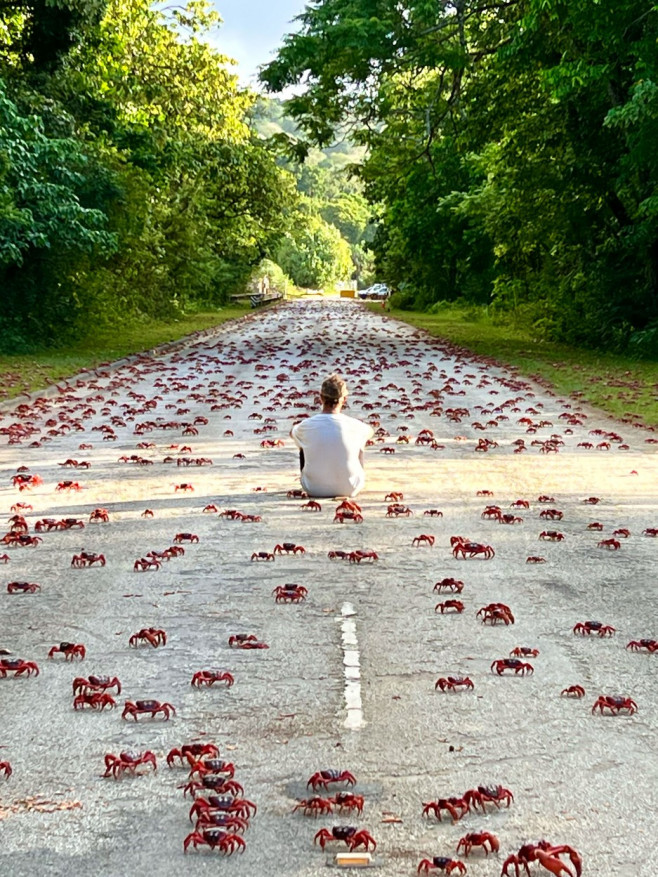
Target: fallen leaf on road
<point>34,804</point>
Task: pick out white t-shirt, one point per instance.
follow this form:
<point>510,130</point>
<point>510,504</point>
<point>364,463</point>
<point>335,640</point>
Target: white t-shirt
<point>331,445</point>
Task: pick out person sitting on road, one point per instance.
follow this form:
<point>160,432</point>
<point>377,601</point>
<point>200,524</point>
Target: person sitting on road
<point>331,445</point>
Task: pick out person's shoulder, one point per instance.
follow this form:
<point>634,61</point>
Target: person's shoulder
<point>354,422</point>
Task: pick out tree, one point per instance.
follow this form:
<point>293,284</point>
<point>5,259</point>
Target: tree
<point>43,223</point>
<point>509,148</point>
<point>135,187</point>
<point>314,254</point>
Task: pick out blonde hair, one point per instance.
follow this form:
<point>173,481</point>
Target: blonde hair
<point>333,389</point>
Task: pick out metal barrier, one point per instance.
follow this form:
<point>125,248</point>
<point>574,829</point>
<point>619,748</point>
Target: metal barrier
<point>257,298</point>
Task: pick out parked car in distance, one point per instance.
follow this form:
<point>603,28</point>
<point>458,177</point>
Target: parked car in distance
<point>377,290</point>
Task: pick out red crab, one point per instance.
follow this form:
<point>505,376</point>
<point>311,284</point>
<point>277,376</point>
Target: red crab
<point>97,700</point>
<point>142,707</point>
<point>68,485</point>
<point>191,752</point>
<point>185,537</point>
<point>441,863</point>
<point>290,593</point>
<point>348,801</point>
<point>509,519</point>
<point>449,584</point>
<point>216,838</point>
<point>622,532</point>
<point>503,664</point>
<point>246,641</point>
<point>18,667</point>
<point>99,516</point>
<point>478,839</point>
<point>450,605</point>
<point>524,652</point>
<point>585,628</point>
<point>262,556</point>
<point>311,506</point>
<point>397,510</point>
<point>220,784</point>
<point>547,856</point>
<point>186,487</point>
<point>573,691</point>
<point>495,612</point>
<point>86,558</point>
<point>323,778</point>
<point>151,635</point>
<point>651,645</point>
<point>70,524</point>
<point>289,548</point>
<point>95,684</point>
<point>423,539</point>
<point>23,587</point>
<point>520,504</point>
<point>315,806</point>
<point>5,768</point>
<point>116,765</point>
<point>456,807</point>
<point>535,559</point>
<point>349,835</point>
<point>551,536</point>
<point>297,494</point>
<point>484,795</point>
<point>344,515</point>
<point>610,544</point>
<point>214,765</point>
<point>592,500</point>
<point>142,564</point>
<point>433,513</point>
<point>470,549</point>
<point>394,496</point>
<point>595,525</point>
<point>615,703</point>
<point>69,650</point>
<point>452,683</point>
<point>210,508</point>
<point>210,677</point>
<point>551,514</point>
<point>362,554</point>
<point>4,558</point>
<point>21,540</point>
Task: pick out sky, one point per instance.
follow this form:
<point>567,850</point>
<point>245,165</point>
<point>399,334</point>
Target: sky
<point>253,30</point>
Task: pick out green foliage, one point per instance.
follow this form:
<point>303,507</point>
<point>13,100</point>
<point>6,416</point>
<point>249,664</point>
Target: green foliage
<point>511,150</point>
<point>314,254</point>
<point>131,185</point>
<point>326,180</point>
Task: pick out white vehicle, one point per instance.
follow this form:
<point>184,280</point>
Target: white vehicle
<point>377,290</point>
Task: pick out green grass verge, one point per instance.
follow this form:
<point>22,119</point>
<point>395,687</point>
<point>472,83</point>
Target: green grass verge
<point>20,374</point>
<point>618,385</point>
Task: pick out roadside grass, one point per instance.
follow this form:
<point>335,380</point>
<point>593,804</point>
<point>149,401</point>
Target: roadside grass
<point>19,374</point>
<point>619,385</point>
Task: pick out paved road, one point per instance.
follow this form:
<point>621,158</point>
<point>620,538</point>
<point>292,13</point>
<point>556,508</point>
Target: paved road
<point>368,630</point>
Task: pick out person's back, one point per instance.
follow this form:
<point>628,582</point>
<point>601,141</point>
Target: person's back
<point>331,446</point>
